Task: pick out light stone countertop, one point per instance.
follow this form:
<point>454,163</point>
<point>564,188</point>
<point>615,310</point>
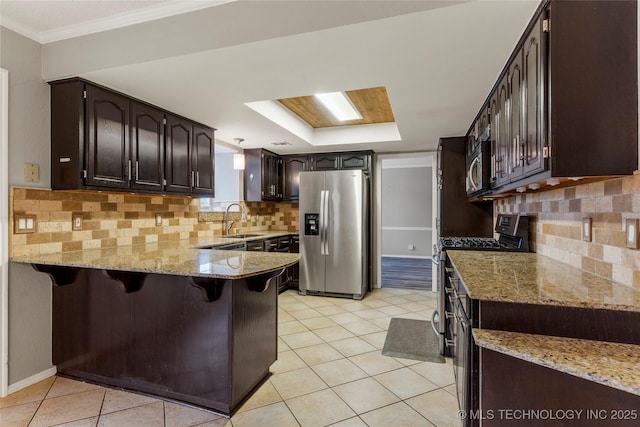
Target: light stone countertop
<point>610,364</point>
<point>529,278</point>
<point>179,257</point>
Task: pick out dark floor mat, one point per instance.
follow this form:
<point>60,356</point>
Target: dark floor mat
<point>412,339</point>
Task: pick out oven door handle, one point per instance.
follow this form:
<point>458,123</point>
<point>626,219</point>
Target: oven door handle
<point>433,322</point>
<point>435,257</point>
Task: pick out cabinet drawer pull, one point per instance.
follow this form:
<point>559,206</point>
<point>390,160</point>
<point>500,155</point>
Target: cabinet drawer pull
<point>137,177</point>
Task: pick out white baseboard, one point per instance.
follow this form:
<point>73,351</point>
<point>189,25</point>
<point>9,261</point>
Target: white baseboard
<point>32,380</point>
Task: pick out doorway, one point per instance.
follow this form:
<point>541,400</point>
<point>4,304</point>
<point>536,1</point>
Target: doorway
<point>406,220</point>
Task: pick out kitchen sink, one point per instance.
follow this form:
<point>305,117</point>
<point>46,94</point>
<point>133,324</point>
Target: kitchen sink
<point>240,236</point>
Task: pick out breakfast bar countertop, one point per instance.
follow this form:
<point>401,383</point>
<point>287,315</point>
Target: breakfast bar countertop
<point>611,364</point>
<point>530,278</point>
<point>176,257</point>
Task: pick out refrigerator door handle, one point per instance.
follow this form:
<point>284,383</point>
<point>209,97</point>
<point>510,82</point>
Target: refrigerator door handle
<point>326,222</point>
<point>322,221</point>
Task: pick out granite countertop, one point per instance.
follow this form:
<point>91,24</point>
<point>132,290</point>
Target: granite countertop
<point>611,364</point>
<point>529,278</point>
<point>179,257</point>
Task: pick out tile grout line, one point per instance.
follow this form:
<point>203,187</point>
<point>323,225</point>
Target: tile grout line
<point>41,401</point>
<point>345,357</point>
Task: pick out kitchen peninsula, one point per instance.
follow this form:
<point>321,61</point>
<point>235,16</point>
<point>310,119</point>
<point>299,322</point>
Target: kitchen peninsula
<point>167,318</point>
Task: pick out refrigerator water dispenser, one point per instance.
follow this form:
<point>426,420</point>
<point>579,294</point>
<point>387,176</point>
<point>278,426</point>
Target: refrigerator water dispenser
<point>311,224</point>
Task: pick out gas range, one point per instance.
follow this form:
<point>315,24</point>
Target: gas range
<point>512,231</point>
<point>513,235</point>
<point>477,243</point>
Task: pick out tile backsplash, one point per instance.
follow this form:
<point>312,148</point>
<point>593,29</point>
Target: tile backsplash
<point>556,221</point>
<point>117,219</point>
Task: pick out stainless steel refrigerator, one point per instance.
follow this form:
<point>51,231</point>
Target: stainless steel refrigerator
<point>334,233</point>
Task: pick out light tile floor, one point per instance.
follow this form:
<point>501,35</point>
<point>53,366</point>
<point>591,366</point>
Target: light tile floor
<point>330,371</point>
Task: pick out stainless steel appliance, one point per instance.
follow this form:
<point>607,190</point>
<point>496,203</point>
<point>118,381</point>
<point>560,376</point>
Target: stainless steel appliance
<point>477,179</point>
<point>455,304</point>
<point>334,233</point>
<point>513,232</point>
<point>457,216</point>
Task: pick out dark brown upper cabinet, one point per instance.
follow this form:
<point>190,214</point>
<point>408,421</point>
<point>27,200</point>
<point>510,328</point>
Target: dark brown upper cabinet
<point>355,161</point>
<point>325,161</point>
<point>270,177</point>
<point>263,176</point>
<point>179,146</point>
<point>190,157</point>
<point>107,139</point>
<point>292,166</point>
<point>500,134</point>
<point>101,139</point>
<point>515,128</point>
<point>565,107</point>
<point>533,100</point>
<point>338,161</point>
<point>147,147</point>
<point>203,160</point>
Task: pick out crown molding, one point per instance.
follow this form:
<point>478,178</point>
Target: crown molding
<point>110,22</point>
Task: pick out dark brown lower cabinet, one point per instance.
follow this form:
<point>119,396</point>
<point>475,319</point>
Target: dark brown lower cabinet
<point>500,382</point>
<point>203,341</point>
<point>515,392</point>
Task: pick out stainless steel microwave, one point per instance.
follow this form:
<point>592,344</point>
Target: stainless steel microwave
<point>477,181</point>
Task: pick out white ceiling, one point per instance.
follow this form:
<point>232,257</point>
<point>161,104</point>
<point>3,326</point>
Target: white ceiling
<point>205,60</point>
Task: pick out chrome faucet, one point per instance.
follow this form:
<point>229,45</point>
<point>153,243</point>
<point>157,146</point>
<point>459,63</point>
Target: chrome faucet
<point>227,224</point>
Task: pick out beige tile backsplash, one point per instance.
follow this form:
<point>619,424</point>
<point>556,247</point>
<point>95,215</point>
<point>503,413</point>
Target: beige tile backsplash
<point>556,220</point>
<point>117,219</point>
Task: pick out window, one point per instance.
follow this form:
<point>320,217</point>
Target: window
<point>228,181</point>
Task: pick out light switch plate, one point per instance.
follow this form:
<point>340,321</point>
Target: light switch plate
<point>158,220</point>
<point>631,233</point>
<point>586,229</point>
<point>24,224</point>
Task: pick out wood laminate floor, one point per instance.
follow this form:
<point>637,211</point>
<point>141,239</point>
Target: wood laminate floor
<point>410,273</point>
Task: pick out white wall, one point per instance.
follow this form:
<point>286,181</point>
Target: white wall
<point>4,230</point>
<point>29,124</point>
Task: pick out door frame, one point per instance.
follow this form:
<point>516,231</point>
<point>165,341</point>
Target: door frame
<point>4,232</point>
<point>377,211</point>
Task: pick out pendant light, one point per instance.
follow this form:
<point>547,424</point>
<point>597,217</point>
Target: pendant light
<point>238,158</point>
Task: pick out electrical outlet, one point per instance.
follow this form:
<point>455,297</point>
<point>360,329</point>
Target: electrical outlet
<point>586,229</point>
<point>158,220</point>
<point>24,224</point>
<point>412,248</point>
<point>632,232</point>
<point>76,222</point>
